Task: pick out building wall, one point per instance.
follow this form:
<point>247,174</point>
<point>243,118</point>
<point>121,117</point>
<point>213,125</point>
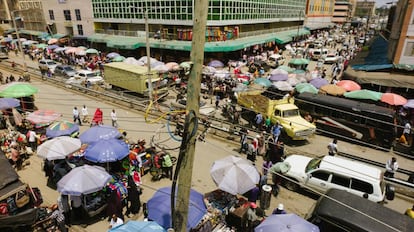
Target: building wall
<point>342,11</point>
<point>32,13</point>
<point>403,34</point>
<point>319,13</point>
<point>364,8</point>
<point>54,14</point>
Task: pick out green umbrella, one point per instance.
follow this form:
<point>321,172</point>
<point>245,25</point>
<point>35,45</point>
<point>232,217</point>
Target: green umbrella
<point>118,59</point>
<point>186,64</point>
<point>41,46</point>
<point>15,90</point>
<point>286,68</point>
<point>364,94</point>
<point>263,81</point>
<point>306,87</point>
<point>299,61</point>
<point>299,71</point>
<point>91,51</point>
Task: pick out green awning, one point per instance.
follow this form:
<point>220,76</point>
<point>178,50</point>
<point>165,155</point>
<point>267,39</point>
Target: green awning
<point>98,38</point>
<point>300,32</point>
<point>124,42</point>
<point>283,37</point>
<point>58,36</point>
<point>44,35</point>
<point>173,45</point>
<point>30,32</point>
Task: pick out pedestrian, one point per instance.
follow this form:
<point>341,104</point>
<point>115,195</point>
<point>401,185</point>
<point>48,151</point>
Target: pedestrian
<point>134,203</point>
<point>410,212</point>
<point>57,214</point>
<point>76,116</point>
<point>407,132</point>
<point>333,147</point>
<point>276,131</point>
<point>166,165</point>
<point>114,118</point>
<point>217,101</point>
<point>63,204</point>
<point>32,139</point>
<point>115,222</point>
<point>243,140</point>
<point>258,120</point>
<point>85,114</point>
<point>251,152</point>
<point>253,194</point>
<point>391,166</point>
<point>76,204</point>
<point>279,209</point>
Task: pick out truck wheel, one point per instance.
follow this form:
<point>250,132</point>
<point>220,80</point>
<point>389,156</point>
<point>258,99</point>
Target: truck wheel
<point>292,186</point>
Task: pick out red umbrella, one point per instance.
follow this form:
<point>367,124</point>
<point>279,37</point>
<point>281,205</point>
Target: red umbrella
<point>393,99</point>
<point>349,85</point>
<point>43,117</point>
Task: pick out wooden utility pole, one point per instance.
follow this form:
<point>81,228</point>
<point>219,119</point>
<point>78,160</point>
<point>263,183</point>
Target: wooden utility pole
<point>185,169</point>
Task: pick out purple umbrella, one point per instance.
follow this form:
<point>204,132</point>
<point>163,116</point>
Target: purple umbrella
<point>286,223</point>
<point>7,103</point>
<point>409,104</point>
<point>112,55</point>
<point>318,82</point>
<point>52,47</point>
<point>106,150</point>
<point>216,64</point>
<point>278,77</point>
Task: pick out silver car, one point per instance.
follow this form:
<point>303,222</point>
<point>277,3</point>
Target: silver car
<point>65,71</point>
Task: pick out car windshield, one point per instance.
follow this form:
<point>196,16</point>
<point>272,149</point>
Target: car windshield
<point>91,75</point>
<point>290,113</point>
<point>51,63</point>
<point>313,164</point>
<point>68,69</point>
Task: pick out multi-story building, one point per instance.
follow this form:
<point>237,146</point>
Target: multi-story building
<point>342,11</point>
<point>231,25</point>
<point>364,9</point>
<point>319,14</point>
<point>401,40</point>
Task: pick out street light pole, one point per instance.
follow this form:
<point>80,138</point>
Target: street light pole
<point>148,55</point>
<point>18,40</point>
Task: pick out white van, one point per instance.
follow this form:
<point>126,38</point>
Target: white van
<point>332,172</point>
<point>317,54</point>
<point>275,60</point>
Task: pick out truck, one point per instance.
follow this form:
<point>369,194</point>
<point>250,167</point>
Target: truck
<point>134,79</point>
<point>282,111</point>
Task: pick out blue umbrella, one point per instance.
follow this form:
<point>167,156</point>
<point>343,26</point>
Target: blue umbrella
<point>159,208</point>
<point>318,82</point>
<point>286,223</point>
<point>106,150</point>
<point>7,103</point>
<point>139,226</point>
<point>263,81</point>
<point>279,77</point>
<point>61,128</point>
<point>96,133</point>
<point>112,55</point>
<point>216,64</point>
<point>53,46</point>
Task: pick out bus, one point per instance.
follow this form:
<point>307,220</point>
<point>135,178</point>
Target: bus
<point>3,52</point>
<point>350,119</point>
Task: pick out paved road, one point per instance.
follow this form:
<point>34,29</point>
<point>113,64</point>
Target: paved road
<point>63,101</point>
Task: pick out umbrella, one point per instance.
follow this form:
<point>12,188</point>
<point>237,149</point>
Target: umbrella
<point>208,70</point>
<point>144,60</point>
<point>52,47</point>
<point>216,64</point>
<point>349,85</point>
<point>234,174</point>
<point>393,99</point>
<point>81,47</point>
<point>161,68</point>
<point>83,180</point>
<point>60,49</point>
<point>299,61</point>
<point>71,50</point>
<point>279,71</point>
<point>80,52</point>
<point>186,64</point>
<point>41,46</point>
<point>306,87</point>
<point>112,55</point>
<point>282,85</point>
<point>16,89</point>
<point>91,51</point>
<point>364,94</point>
<point>172,66</point>
<point>139,226</point>
<point>285,68</point>
<point>298,71</point>
<point>18,118</point>
<point>409,104</point>
<point>263,81</point>
<point>293,81</point>
<point>332,90</point>
<point>43,116</point>
<point>58,148</point>
<point>96,133</point>
<point>279,77</point>
<point>318,82</point>
<point>106,150</point>
<point>159,208</point>
<point>61,128</point>
<point>118,59</point>
<point>29,42</point>
<point>7,103</point>
<point>52,41</point>
<point>286,223</point>
<point>132,60</point>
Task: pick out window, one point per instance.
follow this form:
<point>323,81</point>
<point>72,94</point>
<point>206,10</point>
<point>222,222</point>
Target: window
<point>51,15</point>
<point>340,180</point>
<point>322,175</point>
<point>80,29</point>
<point>409,49</point>
<point>66,13</point>
<point>78,15</point>
<point>362,186</point>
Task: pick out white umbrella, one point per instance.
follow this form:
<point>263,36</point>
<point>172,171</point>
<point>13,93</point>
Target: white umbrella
<point>279,71</point>
<point>282,85</point>
<point>234,174</point>
<point>145,60</point>
<point>58,148</point>
<point>83,180</point>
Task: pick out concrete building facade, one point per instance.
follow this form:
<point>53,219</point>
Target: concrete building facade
<point>342,11</point>
<point>319,14</point>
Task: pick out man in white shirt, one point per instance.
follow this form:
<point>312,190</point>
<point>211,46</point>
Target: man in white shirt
<point>76,116</point>
<point>85,114</point>
<point>32,139</point>
<point>391,167</point>
<point>114,118</point>
<point>115,222</point>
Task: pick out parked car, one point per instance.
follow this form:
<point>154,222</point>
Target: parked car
<point>275,60</point>
<point>65,71</point>
<point>330,58</point>
<point>83,76</point>
<point>332,172</point>
<point>46,64</point>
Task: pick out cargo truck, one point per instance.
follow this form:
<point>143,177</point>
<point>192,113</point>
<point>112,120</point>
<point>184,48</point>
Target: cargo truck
<point>134,79</point>
<point>281,110</point>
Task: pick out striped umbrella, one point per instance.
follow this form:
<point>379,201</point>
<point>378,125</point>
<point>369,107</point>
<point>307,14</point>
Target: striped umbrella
<point>43,117</point>
<point>61,128</point>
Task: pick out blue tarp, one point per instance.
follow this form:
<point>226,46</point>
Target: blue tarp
<point>376,58</point>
